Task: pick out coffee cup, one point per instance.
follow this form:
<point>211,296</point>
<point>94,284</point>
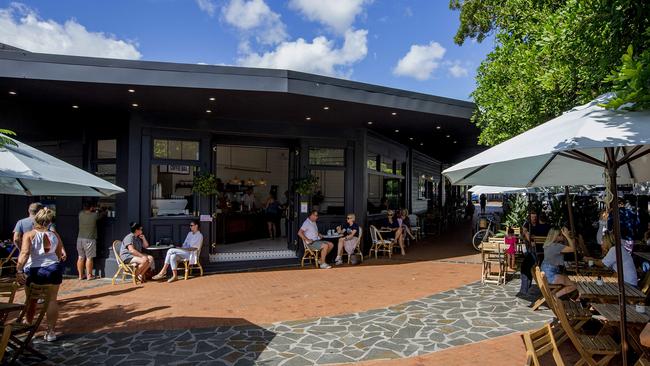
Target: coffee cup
<point>599,281</point>
<point>590,263</point>
<point>639,308</point>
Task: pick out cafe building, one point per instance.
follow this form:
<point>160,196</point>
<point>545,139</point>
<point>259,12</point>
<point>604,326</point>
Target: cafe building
<point>306,140</point>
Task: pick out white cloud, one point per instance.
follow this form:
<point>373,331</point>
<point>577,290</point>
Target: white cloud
<point>337,14</point>
<point>458,71</point>
<point>420,61</point>
<point>207,6</point>
<point>22,27</point>
<point>321,56</point>
<point>256,18</point>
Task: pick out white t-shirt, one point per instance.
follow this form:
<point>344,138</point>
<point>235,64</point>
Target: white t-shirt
<point>629,272</point>
<point>310,229</point>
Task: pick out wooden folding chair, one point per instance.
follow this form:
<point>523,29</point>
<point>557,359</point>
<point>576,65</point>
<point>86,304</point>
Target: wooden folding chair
<point>552,289</point>
<point>642,362</point>
<point>575,313</point>
<point>4,340</point>
<point>538,343</point>
<point>8,291</point>
<point>494,264</point>
<point>357,248</point>
<point>589,347</point>
<point>11,259</point>
<point>188,267</point>
<point>379,244</point>
<point>124,269</point>
<point>310,254</point>
<point>26,329</point>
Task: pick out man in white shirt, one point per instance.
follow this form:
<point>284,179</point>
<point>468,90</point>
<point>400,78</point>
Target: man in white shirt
<point>309,234</point>
<point>248,201</point>
<point>609,260</point>
<point>189,251</point>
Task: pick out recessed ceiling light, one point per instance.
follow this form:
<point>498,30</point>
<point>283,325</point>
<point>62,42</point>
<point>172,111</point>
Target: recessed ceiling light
<point>437,127</point>
<point>396,130</point>
<point>411,138</point>
<point>448,136</point>
<point>208,111</point>
<point>308,118</point>
<point>131,90</point>
<point>421,143</point>
<point>11,92</point>
<point>134,105</point>
<point>75,106</point>
<point>213,99</point>
<point>455,142</point>
<point>394,113</point>
<point>326,108</point>
<point>369,122</point>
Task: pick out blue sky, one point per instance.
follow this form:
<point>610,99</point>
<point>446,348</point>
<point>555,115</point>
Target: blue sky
<point>405,44</point>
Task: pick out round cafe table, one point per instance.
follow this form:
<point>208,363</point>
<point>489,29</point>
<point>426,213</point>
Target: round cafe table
<point>158,253</point>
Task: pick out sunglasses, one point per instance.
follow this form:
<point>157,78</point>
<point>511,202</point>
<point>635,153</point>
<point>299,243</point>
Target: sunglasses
<point>349,218</point>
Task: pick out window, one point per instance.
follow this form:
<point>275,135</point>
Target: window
<point>328,157</point>
<point>106,149</point>
<point>330,194</point>
<point>387,165</point>
<point>372,161</point>
<point>400,168</point>
<point>171,189</point>
<point>422,187</point>
<point>107,172</point>
<point>175,149</point>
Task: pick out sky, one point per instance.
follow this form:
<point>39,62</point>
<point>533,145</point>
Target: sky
<point>406,44</point>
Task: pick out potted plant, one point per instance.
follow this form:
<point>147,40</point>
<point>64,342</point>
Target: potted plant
<point>305,186</point>
<point>204,184</point>
<point>517,211</point>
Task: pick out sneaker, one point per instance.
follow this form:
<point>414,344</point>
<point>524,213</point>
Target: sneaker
<point>325,266</point>
<point>49,336</point>
<point>338,261</point>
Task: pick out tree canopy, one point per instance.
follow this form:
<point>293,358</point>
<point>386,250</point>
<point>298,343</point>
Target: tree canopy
<point>551,55</point>
<point>4,140</point>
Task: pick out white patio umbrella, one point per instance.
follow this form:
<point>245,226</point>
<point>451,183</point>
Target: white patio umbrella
<point>478,189</point>
<point>585,145</point>
<point>27,171</point>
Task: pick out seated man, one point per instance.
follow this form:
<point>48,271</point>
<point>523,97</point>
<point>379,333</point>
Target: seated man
<point>609,260</point>
<point>189,251</point>
<point>309,234</point>
<point>131,251</point>
<point>350,232</point>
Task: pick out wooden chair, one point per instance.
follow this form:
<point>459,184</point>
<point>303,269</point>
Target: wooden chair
<point>589,347</point>
<point>357,249</point>
<point>188,267</point>
<point>10,259</point>
<point>309,254</point>
<point>644,285</point>
<point>4,340</point>
<point>642,362</point>
<point>379,244</point>
<point>574,312</point>
<point>8,290</point>
<point>538,343</point>
<point>26,329</point>
<point>494,264</point>
<point>125,269</point>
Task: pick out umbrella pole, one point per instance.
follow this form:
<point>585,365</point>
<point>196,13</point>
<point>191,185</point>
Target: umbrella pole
<point>612,166</point>
<point>572,224</point>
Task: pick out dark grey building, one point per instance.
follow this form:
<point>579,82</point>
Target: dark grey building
<point>151,126</point>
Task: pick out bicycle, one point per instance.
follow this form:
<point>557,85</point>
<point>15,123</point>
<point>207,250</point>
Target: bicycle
<point>482,235</point>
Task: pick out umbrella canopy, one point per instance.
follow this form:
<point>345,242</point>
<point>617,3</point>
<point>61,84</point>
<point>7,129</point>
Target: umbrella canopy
<point>498,190</point>
<point>30,172</point>
<point>563,151</point>
<point>585,145</point>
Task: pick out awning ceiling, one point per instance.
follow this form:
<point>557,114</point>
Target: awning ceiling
<point>58,82</point>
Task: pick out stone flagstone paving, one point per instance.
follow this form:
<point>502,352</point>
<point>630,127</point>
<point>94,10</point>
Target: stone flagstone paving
<point>464,315</point>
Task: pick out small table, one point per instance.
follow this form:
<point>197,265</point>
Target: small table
<point>607,292</point>
<point>159,258</point>
<point>333,236</point>
<point>612,313</point>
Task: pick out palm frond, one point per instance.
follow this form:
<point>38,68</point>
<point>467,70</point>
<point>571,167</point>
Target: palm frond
<point>4,140</point>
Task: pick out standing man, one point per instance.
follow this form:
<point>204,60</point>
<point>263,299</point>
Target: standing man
<point>309,234</point>
<point>87,240</point>
<point>248,201</point>
<point>26,225</point>
<point>483,202</point>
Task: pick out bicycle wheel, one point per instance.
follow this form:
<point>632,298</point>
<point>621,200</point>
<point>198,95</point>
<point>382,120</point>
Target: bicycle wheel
<point>480,236</point>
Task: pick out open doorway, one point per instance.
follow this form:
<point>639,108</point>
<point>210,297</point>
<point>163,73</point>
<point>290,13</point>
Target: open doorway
<point>253,203</point>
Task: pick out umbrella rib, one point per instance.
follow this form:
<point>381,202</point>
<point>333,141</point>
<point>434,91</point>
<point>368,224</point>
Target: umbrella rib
<point>541,169</point>
<point>579,155</point>
<point>23,187</point>
<point>98,191</point>
<point>629,167</point>
<point>639,155</point>
<point>474,172</point>
<point>631,152</point>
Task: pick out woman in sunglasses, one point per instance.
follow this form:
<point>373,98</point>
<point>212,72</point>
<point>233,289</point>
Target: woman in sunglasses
<point>189,251</point>
<point>350,232</point>
<point>393,230</point>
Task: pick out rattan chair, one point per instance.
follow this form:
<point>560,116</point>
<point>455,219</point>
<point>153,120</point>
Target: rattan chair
<point>310,254</point>
<point>124,269</point>
<point>188,267</point>
<point>379,244</point>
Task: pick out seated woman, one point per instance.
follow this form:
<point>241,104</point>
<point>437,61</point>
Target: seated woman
<point>350,232</point>
<point>188,251</point>
<point>609,260</point>
<point>396,232</point>
<point>406,223</point>
<point>557,243</point>
<point>131,250</point>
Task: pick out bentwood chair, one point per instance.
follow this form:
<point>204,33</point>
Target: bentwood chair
<point>357,248</point>
<point>310,254</point>
<point>22,330</point>
<point>126,270</point>
<point>188,266</point>
<point>416,229</point>
<point>379,244</point>
<point>540,342</point>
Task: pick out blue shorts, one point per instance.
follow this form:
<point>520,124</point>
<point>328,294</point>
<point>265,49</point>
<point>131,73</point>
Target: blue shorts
<point>50,275</point>
<point>318,244</point>
<point>550,271</point>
